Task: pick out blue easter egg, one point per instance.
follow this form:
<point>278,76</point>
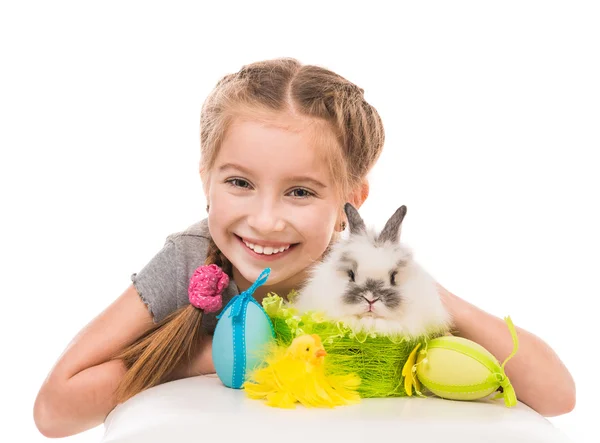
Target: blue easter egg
<point>241,336</point>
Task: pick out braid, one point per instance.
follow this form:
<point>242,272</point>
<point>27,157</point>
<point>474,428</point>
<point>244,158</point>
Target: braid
<point>215,256</point>
<point>151,359</point>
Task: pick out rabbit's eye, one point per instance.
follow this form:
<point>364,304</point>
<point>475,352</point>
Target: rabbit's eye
<point>393,278</point>
<point>351,274</point>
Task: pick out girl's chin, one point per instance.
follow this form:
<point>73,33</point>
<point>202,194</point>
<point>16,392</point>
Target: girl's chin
<point>279,281</point>
<point>250,275</point>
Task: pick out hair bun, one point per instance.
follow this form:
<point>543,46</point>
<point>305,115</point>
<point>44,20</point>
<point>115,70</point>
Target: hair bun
<point>206,286</point>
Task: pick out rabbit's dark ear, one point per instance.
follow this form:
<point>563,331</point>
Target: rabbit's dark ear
<point>391,230</point>
<point>355,221</point>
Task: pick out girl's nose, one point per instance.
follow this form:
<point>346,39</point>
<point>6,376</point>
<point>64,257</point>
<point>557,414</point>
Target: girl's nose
<point>267,218</point>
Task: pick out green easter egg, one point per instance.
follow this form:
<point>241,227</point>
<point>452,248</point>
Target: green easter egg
<point>458,369</point>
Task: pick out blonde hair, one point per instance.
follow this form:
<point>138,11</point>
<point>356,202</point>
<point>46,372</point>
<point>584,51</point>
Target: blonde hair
<point>261,90</point>
<point>286,86</point>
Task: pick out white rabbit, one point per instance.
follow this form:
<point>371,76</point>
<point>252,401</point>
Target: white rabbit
<point>371,282</point>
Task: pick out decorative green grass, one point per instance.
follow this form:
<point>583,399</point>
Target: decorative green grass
<point>376,359</point>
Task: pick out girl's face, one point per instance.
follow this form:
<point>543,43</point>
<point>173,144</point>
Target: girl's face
<point>272,201</point>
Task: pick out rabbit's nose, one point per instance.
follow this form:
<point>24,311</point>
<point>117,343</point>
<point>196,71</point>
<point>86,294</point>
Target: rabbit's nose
<point>371,301</point>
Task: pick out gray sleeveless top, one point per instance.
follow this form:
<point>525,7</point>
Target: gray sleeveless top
<point>163,283</point>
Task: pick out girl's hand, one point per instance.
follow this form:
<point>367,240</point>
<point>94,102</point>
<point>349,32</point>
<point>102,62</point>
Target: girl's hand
<point>201,363</point>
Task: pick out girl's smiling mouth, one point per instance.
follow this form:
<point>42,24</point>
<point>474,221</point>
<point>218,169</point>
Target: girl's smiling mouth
<point>266,250</point>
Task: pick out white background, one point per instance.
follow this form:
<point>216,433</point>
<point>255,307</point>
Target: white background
<point>491,111</point>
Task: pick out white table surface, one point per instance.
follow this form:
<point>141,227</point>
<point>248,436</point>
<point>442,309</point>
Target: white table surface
<point>201,409</point>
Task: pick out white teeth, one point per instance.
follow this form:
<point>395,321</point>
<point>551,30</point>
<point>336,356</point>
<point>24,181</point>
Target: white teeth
<point>267,250</point>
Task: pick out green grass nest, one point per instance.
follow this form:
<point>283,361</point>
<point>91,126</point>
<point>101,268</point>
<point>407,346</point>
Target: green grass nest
<point>377,359</point>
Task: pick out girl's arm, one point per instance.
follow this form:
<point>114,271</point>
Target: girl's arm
<point>78,393</point>
<point>539,377</point>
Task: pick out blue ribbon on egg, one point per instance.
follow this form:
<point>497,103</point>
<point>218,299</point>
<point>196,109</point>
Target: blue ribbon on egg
<point>239,305</point>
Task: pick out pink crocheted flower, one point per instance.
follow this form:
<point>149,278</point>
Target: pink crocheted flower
<point>206,285</point>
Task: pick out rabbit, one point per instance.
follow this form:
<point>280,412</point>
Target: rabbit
<point>371,282</point>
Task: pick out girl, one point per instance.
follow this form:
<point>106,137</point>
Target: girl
<point>284,146</point>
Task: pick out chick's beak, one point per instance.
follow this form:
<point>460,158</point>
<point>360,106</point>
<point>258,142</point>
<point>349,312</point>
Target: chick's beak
<point>321,353</point>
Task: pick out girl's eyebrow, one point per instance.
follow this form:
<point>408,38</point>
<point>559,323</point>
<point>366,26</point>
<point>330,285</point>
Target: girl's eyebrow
<point>244,170</point>
<point>234,166</point>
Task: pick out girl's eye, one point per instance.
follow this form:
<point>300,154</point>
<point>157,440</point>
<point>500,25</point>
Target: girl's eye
<point>304,193</point>
<point>238,183</point>
<point>301,193</point>
<point>351,274</point>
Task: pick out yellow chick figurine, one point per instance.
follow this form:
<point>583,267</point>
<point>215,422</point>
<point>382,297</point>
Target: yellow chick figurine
<point>297,374</point>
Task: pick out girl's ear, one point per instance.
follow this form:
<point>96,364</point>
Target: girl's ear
<point>360,194</point>
<point>357,198</point>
